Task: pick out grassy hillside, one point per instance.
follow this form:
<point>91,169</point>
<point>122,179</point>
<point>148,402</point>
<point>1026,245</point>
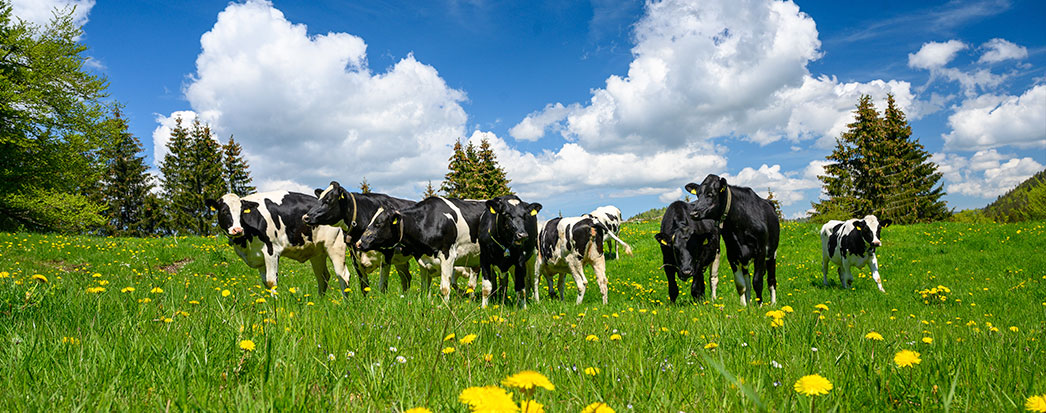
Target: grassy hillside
<point>173,342</point>
<point>1025,202</point>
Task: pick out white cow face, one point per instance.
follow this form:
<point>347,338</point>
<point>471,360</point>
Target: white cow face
<point>871,229</point>
<point>229,208</point>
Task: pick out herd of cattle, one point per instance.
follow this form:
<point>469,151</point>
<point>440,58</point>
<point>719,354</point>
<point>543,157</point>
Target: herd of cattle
<point>471,238</point>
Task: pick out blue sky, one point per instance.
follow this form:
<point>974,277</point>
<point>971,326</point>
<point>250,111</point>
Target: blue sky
<point>586,103</point>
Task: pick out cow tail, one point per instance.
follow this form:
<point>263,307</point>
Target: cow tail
<point>628,248</point>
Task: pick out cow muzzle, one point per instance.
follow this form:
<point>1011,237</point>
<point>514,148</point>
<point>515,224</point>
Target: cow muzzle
<point>877,243</point>
<point>235,232</point>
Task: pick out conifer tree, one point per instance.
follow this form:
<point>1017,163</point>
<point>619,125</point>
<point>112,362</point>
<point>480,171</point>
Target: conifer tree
<point>774,202</point>
<point>364,186</point>
<point>460,177</point>
<point>492,179</point>
<point>910,191</point>
<point>235,171</point>
<point>429,191</point>
<point>125,182</point>
<point>192,172</point>
<point>846,179</point>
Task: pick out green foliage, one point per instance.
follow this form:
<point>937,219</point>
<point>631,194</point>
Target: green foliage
<point>775,203</point>
<point>192,173</point>
<point>235,171</point>
<point>51,115</point>
<point>335,353</point>
<point>364,186</point>
<point>877,168</point>
<point>1026,202</point>
<point>41,209</point>
<point>125,183</point>
<point>971,216</point>
<point>429,191</point>
<point>649,215</point>
<point>474,174</point>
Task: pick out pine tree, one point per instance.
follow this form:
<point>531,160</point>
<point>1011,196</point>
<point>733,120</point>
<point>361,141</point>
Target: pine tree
<point>911,191</point>
<point>492,179</point>
<point>235,171</point>
<point>364,186</point>
<point>774,202</point>
<point>460,178</point>
<point>125,183</point>
<point>846,179</point>
<point>192,172</point>
<point>429,191</point>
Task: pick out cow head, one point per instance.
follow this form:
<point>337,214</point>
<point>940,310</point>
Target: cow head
<point>694,244</point>
<point>711,197</point>
<point>384,231</point>
<point>514,221</point>
<point>230,210</point>
<point>331,208</point>
<point>870,228</point>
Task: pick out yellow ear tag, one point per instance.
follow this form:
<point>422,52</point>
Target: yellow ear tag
<point>857,227</point>
<point>693,191</point>
<point>343,196</point>
<point>246,211</point>
<point>492,210</point>
<point>663,242</point>
<point>533,212</point>
<point>394,221</point>
<point>705,243</point>
<point>722,189</point>
<point>212,209</point>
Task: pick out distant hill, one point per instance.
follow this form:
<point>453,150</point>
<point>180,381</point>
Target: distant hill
<point>1026,202</point>
<point>653,214</point>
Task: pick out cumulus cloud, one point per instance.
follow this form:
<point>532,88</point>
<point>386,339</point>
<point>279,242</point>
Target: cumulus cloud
<point>986,174</point>
<point>710,69</point>
<point>991,121</point>
<point>40,12</point>
<point>933,55</point>
<point>788,187</point>
<point>998,50</point>
<point>308,109</point>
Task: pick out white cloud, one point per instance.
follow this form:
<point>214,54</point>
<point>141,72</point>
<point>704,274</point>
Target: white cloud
<point>788,187</point>
<point>991,121</point>
<point>934,55</point>
<point>1001,49</point>
<point>986,174</point>
<point>162,133</point>
<point>307,108</point>
<point>40,12</point>
<point>710,69</point>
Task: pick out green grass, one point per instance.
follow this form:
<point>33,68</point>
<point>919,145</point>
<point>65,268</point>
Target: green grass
<point>66,349</point>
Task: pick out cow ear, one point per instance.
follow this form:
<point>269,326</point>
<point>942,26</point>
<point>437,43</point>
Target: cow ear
<point>722,184</point>
<point>249,217</point>
<point>395,218</point>
<point>492,205</point>
<point>535,208</point>
<point>857,226</point>
<point>335,185</point>
<point>660,238</point>
<point>885,223</point>
<point>211,203</point>
<point>318,191</point>
<point>692,188</point>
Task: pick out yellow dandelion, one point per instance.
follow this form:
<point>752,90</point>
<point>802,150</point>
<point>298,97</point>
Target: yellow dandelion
<point>448,350</point>
<point>487,398</point>
<point>418,410</point>
<point>615,337</point>
<point>531,406</point>
<point>775,313</point>
<point>468,339</point>
<point>1036,404</point>
<point>1014,329</point>
<point>225,293</point>
<point>449,337</point>
<point>928,340</point>
<point>591,337</point>
<point>488,357</point>
<point>592,371</point>
<point>711,346</point>
<point>156,290</point>
<point>247,345</point>
<point>127,290</point>
<point>777,322</point>
<point>874,336</point>
<point>40,278</point>
<point>527,380</point>
<point>906,358</point>
<point>821,307</point>
<point>597,407</point>
<point>95,290</point>
<point>787,309</point>
<point>168,320</point>
<point>812,385</point>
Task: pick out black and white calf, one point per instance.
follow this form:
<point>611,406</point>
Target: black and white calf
<point>610,217</point>
<point>750,230</point>
<point>508,241</point>
<point>352,212</point>
<point>567,245</point>
<point>852,243</point>
<point>446,229</point>
<point>263,227</point>
<point>688,246</point>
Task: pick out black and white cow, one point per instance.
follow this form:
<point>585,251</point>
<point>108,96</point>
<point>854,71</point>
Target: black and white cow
<point>508,241</point>
<point>445,229</point>
<point>688,246</point>
<point>263,227</point>
<point>852,243</point>
<point>353,212</point>
<point>610,217</point>
<point>567,245</point>
<point>750,230</point>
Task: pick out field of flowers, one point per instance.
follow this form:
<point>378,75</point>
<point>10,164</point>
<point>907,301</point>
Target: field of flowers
<point>181,323</point>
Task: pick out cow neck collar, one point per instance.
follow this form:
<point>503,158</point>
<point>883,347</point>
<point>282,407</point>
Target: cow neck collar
<point>400,240</point>
<point>354,209</point>
<point>491,233</point>
<point>726,211</point>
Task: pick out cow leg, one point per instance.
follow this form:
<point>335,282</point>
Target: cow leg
<point>336,253</point>
<point>673,289</point>
<point>599,266</point>
<point>771,278</point>
<point>485,270</point>
<point>843,270</point>
<point>384,268</point>
<point>714,277</point>
<point>697,285</point>
<point>740,283</point>
<point>272,262</point>
<point>446,266</point>
<point>319,269</point>
<point>360,272</point>
<point>824,268</point>
<point>561,288</point>
<point>403,271</point>
<point>577,269</point>
<point>536,280</point>
<point>757,277</point>
<point>519,276</point>
<point>874,266</point>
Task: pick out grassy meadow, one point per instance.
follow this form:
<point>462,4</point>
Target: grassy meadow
<point>157,324</point>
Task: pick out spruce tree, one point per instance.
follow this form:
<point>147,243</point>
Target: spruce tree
<point>911,191</point>
<point>235,171</point>
<point>773,202</point>
<point>125,182</point>
<point>192,172</point>
<point>846,179</point>
<point>491,177</point>
<point>461,169</point>
<point>364,186</point>
<point>429,191</point>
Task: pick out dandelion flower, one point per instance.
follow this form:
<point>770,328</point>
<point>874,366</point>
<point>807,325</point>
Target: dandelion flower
<point>531,406</point>
<point>260,300</point>
<point>418,410</point>
<point>448,350</point>
<point>821,307</point>
<point>527,380</point>
<point>615,337</point>
<point>812,385</point>
<point>591,337</point>
<point>156,290</point>
<point>906,358</point>
<point>488,357</point>
<point>597,407</point>
<point>928,340</point>
<point>247,345</point>
<point>711,346</point>
<point>777,322</point>
<point>95,290</point>
<point>467,339</point>
<point>225,293</point>
<point>40,278</point>
<point>1036,404</point>
<point>787,309</point>
<point>449,337</point>
<point>874,336</point>
<point>488,398</point>
<point>1014,329</point>
<point>592,371</point>
<point>775,313</point>
<point>127,290</point>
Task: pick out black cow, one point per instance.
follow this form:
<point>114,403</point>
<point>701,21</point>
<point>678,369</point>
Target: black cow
<point>750,230</point>
<point>263,227</point>
<point>688,246</point>
<point>352,212</point>
<point>445,229</point>
<point>508,240</point>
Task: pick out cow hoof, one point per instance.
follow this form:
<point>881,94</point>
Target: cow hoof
<point>270,284</point>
